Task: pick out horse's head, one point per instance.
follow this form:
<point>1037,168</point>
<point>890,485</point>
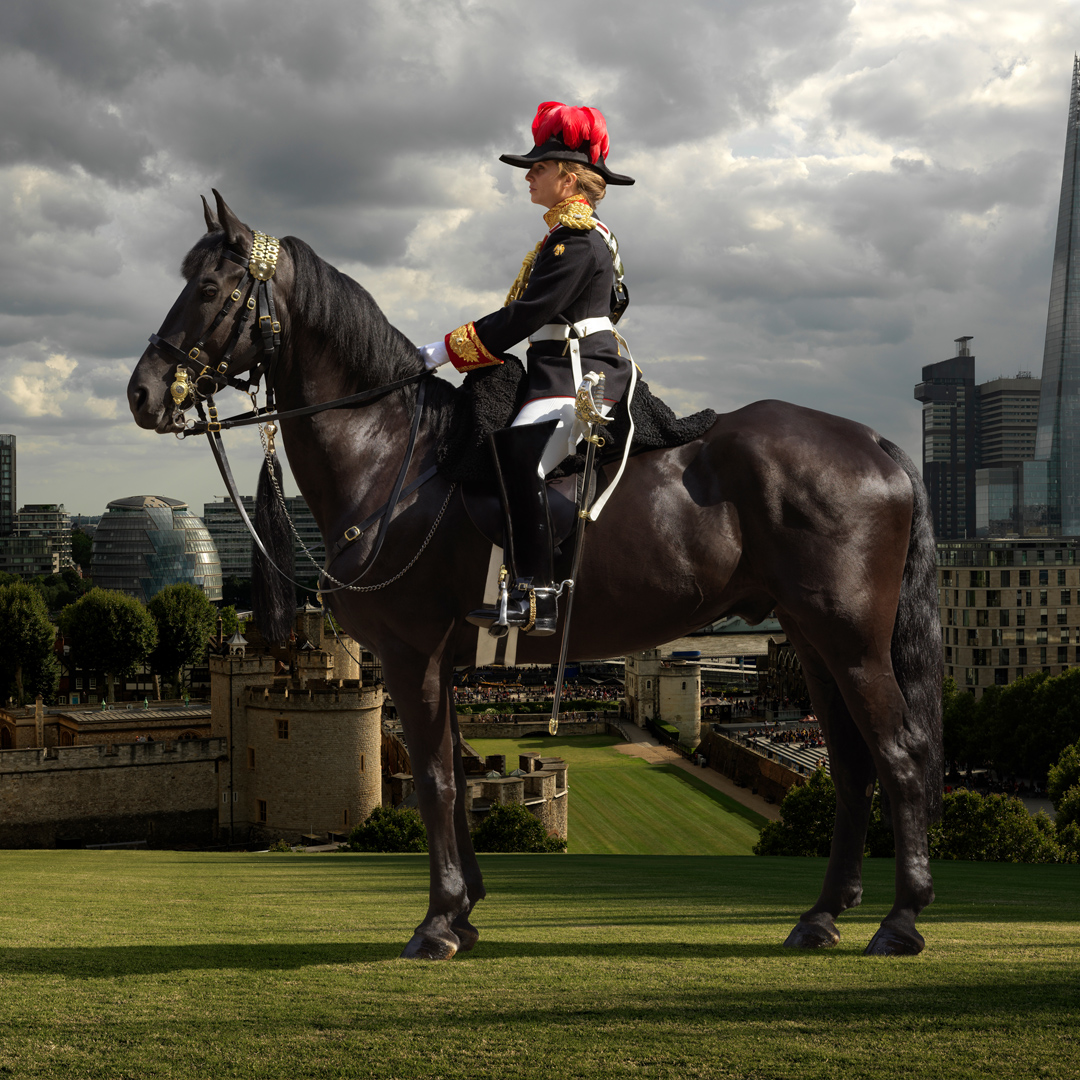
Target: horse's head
<point>216,329</point>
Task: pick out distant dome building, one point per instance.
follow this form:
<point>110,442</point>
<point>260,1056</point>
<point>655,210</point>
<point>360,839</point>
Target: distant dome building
<point>146,542</point>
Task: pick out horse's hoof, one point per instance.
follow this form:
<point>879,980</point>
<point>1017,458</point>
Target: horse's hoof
<point>895,941</point>
<point>428,948</point>
<point>820,933</point>
<point>467,935</point>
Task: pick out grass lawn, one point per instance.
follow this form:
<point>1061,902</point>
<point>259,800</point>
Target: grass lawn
<point>164,964</point>
<point>621,805</point>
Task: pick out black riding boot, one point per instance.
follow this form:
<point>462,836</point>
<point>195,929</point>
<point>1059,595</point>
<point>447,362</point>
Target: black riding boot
<point>527,543</point>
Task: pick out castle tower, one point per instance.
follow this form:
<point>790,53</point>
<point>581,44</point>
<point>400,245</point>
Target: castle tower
<point>304,746</point>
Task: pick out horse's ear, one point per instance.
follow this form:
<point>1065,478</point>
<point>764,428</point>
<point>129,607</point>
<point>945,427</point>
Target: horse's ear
<point>212,223</point>
<point>236,233</point>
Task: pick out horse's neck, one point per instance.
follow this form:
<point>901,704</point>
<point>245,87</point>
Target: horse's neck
<point>344,460</point>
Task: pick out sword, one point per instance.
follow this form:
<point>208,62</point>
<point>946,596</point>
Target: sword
<point>590,400</point>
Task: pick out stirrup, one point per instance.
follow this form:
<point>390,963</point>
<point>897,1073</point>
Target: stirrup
<point>532,610</point>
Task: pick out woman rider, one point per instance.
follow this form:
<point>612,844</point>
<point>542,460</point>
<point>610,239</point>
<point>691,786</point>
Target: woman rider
<point>562,302</point>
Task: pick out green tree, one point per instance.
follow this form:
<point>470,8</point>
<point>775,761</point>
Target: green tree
<point>807,819</point>
<point>109,632</point>
<point>992,828</point>
<point>807,815</point>
<point>1065,774</point>
<point>185,621</point>
<point>387,830</point>
<point>959,725</point>
<point>28,664</point>
<point>230,622</point>
<point>510,827</point>
<point>59,590</point>
<point>81,548</point>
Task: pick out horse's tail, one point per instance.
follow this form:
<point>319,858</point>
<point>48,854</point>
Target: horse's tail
<point>916,640</point>
<point>273,597</point>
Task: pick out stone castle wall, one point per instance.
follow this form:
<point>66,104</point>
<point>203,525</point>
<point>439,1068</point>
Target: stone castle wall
<point>162,793</point>
<point>747,768</point>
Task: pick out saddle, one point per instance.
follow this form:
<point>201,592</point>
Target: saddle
<point>485,509</point>
<point>492,396</point>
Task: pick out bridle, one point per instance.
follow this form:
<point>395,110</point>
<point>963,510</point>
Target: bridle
<point>256,290</point>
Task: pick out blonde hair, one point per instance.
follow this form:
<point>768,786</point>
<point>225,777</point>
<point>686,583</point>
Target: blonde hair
<point>590,183</point>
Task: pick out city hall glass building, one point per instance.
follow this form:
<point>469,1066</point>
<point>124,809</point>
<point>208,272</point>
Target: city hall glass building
<point>146,542</point>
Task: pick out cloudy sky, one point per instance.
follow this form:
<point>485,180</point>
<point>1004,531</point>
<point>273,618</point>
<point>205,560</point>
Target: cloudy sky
<point>829,192</point>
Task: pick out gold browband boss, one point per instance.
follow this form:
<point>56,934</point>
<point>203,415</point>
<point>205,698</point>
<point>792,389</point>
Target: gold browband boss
<point>264,256</point>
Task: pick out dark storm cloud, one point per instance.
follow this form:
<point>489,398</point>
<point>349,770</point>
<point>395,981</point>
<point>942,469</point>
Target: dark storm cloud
<point>828,192</point>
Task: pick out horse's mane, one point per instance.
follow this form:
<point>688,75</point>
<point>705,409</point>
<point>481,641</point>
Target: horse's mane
<point>342,313</point>
<point>342,316</point>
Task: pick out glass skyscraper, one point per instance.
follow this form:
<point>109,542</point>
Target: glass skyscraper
<point>1051,482</point>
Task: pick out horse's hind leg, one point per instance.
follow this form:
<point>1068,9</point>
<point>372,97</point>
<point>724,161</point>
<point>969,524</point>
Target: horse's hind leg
<point>467,934</point>
<point>852,770</point>
<point>877,716</point>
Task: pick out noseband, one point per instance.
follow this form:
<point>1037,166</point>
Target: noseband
<point>256,289</point>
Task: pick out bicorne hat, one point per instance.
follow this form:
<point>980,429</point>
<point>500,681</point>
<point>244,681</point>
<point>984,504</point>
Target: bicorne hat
<point>568,133</point>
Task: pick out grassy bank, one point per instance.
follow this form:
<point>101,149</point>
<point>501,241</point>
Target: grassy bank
<point>621,805</point>
<point>148,964</point>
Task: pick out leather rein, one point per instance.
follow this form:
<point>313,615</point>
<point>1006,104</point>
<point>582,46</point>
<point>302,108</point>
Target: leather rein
<point>256,290</point>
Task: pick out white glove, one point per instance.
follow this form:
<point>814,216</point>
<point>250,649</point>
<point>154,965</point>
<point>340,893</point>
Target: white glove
<point>434,355</point>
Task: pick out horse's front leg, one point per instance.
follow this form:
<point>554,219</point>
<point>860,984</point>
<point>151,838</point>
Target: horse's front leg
<point>418,686</point>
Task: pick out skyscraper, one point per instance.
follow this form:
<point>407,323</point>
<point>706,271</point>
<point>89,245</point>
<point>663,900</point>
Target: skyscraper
<point>1051,483</point>
<point>7,484</point>
<point>947,393</point>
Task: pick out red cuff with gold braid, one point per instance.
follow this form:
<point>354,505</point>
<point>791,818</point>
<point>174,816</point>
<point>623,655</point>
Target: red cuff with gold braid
<point>467,351</point>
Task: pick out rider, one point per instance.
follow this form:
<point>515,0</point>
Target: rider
<point>564,301</point>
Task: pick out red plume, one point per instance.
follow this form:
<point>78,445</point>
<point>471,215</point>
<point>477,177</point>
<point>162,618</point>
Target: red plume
<point>574,124</point>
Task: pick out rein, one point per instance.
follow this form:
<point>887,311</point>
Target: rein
<point>257,284</point>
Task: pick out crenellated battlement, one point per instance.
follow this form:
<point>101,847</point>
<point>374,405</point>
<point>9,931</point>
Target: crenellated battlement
<point>110,755</point>
<point>317,698</point>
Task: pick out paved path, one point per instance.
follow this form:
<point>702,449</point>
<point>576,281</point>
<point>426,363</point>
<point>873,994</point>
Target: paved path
<point>643,745</point>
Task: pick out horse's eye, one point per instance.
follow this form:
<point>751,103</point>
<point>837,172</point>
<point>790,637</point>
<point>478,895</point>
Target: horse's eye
<point>209,291</point>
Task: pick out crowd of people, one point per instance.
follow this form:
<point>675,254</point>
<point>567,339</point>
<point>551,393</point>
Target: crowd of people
<point>513,692</point>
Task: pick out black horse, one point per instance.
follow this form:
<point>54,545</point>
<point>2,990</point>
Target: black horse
<point>776,507</point>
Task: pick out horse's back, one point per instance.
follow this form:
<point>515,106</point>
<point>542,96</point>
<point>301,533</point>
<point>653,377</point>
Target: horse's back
<point>800,464</point>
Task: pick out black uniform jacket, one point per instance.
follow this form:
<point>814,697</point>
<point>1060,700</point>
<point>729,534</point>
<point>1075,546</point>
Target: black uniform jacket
<point>571,280</point>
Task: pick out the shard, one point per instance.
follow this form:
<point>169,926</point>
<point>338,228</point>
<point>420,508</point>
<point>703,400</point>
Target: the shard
<point>1051,483</point>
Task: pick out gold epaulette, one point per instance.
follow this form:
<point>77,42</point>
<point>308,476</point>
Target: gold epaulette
<point>574,213</point>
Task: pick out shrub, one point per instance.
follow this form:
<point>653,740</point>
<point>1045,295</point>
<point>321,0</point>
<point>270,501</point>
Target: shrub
<point>1068,808</point>
<point>806,820</point>
<point>280,845</point>
<point>390,830</point>
<point>993,828</point>
<point>1064,775</point>
<point>1068,837</point>
<point>510,827</point>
